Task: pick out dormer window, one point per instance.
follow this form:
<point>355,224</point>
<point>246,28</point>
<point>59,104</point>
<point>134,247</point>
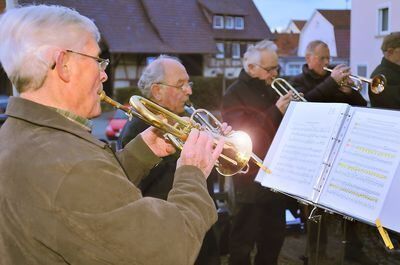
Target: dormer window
<point>229,22</point>
<point>239,23</point>
<point>218,22</point>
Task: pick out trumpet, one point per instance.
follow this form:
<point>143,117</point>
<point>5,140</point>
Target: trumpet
<point>237,150</point>
<point>282,87</point>
<point>376,84</point>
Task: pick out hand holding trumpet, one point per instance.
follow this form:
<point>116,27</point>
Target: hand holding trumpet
<point>341,74</point>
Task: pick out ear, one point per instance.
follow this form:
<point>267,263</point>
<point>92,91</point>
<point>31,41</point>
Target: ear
<point>61,59</point>
<point>308,57</point>
<point>155,92</point>
<point>389,51</point>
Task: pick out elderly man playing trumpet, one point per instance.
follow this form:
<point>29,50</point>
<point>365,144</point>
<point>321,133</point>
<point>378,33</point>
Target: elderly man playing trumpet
<point>319,85</point>
<point>65,197</point>
<point>251,105</point>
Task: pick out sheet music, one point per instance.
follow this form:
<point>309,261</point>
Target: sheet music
<point>365,165</point>
<point>300,146</point>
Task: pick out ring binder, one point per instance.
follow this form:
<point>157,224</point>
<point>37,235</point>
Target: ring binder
<point>340,158</point>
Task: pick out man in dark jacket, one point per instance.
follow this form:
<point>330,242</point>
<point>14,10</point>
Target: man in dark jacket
<point>390,68</point>
<point>166,82</point>
<point>319,85</point>
<point>251,105</point>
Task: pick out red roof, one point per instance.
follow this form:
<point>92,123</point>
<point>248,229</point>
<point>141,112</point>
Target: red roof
<point>340,19</point>
<point>287,43</point>
<point>166,26</point>
<point>299,23</point>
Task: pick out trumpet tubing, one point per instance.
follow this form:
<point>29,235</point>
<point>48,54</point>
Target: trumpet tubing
<point>237,150</point>
<point>282,87</point>
<point>376,84</point>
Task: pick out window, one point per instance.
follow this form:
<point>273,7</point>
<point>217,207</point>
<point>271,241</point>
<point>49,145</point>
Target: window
<point>383,20</point>
<point>229,22</point>
<point>239,23</point>
<point>235,50</point>
<point>220,51</point>
<point>293,69</point>
<point>362,71</point>
<point>218,22</point>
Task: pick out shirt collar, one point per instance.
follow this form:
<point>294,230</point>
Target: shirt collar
<point>83,122</point>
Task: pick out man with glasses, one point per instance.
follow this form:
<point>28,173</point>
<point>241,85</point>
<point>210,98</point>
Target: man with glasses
<point>251,105</point>
<point>319,85</point>
<point>65,196</point>
<point>166,82</point>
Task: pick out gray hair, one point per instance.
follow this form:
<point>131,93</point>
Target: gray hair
<point>31,33</point>
<point>391,41</point>
<point>153,73</point>
<point>253,52</point>
<point>313,45</point>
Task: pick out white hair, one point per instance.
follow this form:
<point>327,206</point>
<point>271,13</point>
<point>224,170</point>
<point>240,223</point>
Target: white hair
<point>253,53</point>
<point>153,73</point>
<point>28,35</point>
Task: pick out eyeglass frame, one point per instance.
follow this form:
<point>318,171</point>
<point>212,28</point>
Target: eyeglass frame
<point>103,63</point>
<point>270,69</point>
<point>182,87</point>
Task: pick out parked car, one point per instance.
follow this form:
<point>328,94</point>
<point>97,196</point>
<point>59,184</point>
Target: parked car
<point>115,125</point>
<point>3,106</point>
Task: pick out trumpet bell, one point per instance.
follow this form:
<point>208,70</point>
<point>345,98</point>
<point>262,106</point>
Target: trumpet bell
<point>378,84</point>
<point>236,154</point>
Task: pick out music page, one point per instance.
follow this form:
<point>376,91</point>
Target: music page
<point>300,146</point>
<point>365,166</point>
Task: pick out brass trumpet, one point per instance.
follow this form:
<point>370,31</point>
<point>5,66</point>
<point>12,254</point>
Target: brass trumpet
<point>282,87</point>
<point>376,84</point>
<point>237,150</point>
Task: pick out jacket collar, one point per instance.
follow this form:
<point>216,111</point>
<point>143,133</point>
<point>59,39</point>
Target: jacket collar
<point>313,74</point>
<point>386,63</point>
<point>254,82</point>
<point>44,116</point>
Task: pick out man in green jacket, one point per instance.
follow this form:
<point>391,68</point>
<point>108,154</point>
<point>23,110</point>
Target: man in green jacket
<point>65,197</point>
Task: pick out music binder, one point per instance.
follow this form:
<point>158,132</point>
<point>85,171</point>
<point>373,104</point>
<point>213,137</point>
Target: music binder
<point>341,158</point>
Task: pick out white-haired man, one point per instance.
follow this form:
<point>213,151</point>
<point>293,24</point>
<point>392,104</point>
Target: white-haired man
<point>65,197</point>
<point>166,82</point>
<point>251,105</point>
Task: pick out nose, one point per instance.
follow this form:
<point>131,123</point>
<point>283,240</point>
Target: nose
<point>187,90</point>
<point>103,76</point>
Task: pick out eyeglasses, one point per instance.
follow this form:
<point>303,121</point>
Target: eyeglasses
<point>270,69</point>
<point>182,87</point>
<point>103,63</point>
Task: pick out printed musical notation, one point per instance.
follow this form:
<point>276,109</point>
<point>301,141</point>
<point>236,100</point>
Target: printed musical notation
<point>365,165</point>
<point>298,157</point>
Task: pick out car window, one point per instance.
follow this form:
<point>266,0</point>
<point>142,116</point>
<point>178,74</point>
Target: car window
<point>119,114</point>
<point>3,104</point>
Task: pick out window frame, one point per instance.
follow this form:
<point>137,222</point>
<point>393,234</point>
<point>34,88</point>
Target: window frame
<point>241,27</point>
<point>217,25</point>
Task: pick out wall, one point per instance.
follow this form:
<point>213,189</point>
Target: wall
<point>317,28</point>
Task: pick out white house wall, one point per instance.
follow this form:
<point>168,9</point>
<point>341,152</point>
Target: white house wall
<point>317,28</point>
<point>365,42</point>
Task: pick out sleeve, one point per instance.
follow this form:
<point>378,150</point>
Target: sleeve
<point>354,98</point>
<point>390,97</point>
<point>131,130</point>
<point>320,93</point>
<point>102,219</point>
<point>137,159</point>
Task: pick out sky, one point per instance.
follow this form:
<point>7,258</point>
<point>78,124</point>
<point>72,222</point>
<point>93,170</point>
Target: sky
<point>278,13</point>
